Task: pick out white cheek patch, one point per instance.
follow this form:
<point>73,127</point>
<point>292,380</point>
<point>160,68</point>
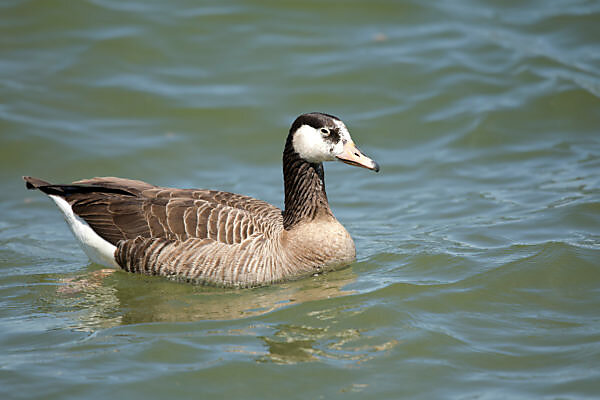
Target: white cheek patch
<point>338,148</point>
<point>309,144</point>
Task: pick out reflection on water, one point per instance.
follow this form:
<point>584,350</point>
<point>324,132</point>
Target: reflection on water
<point>106,297</point>
<point>89,303</point>
<point>103,298</point>
<point>291,344</point>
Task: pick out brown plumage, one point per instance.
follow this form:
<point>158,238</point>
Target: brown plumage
<point>217,237</point>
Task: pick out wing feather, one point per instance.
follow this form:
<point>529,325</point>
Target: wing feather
<point>124,209</point>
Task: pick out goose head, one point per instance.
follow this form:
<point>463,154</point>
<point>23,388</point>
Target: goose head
<point>318,137</point>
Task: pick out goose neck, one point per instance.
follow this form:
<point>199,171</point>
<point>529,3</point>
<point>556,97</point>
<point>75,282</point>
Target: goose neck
<point>304,184</point>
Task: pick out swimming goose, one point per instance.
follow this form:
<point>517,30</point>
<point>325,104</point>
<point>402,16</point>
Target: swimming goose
<point>215,237</point>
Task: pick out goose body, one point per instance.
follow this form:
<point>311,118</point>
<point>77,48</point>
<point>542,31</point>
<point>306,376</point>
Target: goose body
<point>217,237</point>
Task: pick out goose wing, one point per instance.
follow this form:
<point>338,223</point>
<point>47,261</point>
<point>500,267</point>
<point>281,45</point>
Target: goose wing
<point>123,209</point>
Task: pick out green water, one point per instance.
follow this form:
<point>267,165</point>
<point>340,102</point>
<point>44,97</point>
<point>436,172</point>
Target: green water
<point>478,270</point>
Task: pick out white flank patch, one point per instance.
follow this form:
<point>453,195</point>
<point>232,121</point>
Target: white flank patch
<point>97,249</point>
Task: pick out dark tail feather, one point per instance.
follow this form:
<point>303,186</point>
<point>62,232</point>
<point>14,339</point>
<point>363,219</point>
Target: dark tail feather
<point>34,183</point>
<point>65,190</point>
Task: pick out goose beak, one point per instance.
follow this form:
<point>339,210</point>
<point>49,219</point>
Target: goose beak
<point>353,156</point>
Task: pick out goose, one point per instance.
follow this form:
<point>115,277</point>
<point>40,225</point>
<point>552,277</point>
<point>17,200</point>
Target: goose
<point>216,237</point>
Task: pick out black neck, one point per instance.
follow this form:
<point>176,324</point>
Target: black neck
<point>304,183</point>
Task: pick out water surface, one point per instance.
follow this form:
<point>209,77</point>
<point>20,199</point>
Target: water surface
<point>478,272</point>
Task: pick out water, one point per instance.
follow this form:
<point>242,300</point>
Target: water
<point>478,272</point>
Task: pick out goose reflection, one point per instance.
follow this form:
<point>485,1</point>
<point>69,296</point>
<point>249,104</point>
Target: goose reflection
<point>104,298</point>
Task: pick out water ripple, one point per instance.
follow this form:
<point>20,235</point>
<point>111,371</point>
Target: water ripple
<point>477,242</point>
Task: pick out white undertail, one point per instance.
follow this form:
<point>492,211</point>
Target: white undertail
<point>97,249</point>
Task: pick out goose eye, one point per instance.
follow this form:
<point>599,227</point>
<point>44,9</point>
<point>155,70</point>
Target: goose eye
<point>324,131</point>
